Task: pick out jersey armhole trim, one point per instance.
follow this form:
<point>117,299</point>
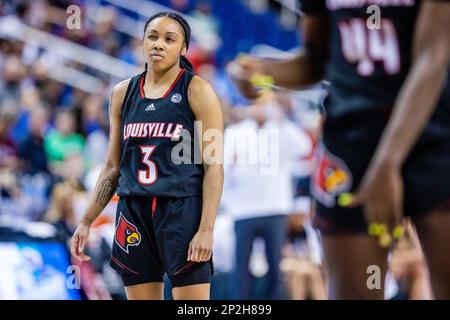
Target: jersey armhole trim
<point>188,83</point>
<point>125,98</point>
<point>174,83</point>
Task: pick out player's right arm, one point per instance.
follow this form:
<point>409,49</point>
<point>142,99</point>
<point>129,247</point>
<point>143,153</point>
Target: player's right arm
<point>107,181</point>
<point>305,69</point>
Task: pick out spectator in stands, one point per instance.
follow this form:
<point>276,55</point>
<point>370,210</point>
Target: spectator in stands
<point>259,195</point>
<point>93,118</point>
<point>31,150</point>
<point>10,82</point>
<point>29,99</point>
<point>132,53</point>
<point>179,5</point>
<point>209,38</point>
<point>51,92</point>
<point>9,189</point>
<point>105,37</point>
<point>95,123</point>
<point>63,141</point>
<point>61,211</point>
<point>302,257</point>
<point>8,149</point>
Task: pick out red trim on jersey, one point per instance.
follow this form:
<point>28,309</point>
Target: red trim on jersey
<point>185,267</point>
<point>141,86</point>
<point>120,264</point>
<point>153,206</point>
<point>174,83</point>
<point>142,81</point>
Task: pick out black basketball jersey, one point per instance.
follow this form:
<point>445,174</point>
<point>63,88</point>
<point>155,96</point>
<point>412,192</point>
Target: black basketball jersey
<point>368,62</point>
<point>159,154</point>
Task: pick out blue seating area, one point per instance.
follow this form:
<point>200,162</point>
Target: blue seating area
<point>239,32</point>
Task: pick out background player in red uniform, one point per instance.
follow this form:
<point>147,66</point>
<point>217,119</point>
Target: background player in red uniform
<point>386,134</point>
<point>166,212</point>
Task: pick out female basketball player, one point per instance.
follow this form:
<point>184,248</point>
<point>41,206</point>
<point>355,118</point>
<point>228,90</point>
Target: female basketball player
<point>386,136</point>
<point>168,203</point>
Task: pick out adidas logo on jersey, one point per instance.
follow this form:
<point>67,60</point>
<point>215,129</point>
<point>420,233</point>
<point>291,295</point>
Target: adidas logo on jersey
<point>150,107</point>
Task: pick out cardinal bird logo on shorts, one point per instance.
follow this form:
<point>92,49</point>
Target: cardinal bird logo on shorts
<point>127,235</point>
<point>331,177</point>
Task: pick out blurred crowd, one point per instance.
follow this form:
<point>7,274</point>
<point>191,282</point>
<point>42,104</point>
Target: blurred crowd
<point>54,138</point>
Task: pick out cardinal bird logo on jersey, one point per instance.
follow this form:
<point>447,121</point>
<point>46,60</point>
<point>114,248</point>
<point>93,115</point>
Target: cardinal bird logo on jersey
<point>127,235</point>
<point>331,178</point>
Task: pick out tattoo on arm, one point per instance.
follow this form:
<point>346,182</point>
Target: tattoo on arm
<point>105,191</point>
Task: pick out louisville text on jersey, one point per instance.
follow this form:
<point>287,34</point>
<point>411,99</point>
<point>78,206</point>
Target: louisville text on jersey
<point>152,130</point>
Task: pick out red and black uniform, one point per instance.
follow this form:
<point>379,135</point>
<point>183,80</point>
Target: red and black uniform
<point>160,188</point>
<point>366,68</point>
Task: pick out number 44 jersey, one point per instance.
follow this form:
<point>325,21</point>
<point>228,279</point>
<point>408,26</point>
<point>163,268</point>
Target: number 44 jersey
<point>159,157</point>
<point>370,52</point>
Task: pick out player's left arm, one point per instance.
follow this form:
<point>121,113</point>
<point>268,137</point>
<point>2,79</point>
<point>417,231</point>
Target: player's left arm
<point>208,113</point>
<point>423,86</point>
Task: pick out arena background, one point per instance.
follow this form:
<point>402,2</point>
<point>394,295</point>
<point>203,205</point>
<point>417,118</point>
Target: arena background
<point>58,62</point>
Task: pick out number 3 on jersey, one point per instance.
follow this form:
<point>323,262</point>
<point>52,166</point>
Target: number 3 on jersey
<point>150,175</point>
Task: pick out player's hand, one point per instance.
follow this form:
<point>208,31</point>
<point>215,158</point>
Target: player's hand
<point>240,70</point>
<point>78,242</point>
<point>381,195</point>
<point>200,248</point>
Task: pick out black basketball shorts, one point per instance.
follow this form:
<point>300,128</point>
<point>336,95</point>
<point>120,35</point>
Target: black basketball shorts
<point>152,238</point>
<point>343,158</point>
